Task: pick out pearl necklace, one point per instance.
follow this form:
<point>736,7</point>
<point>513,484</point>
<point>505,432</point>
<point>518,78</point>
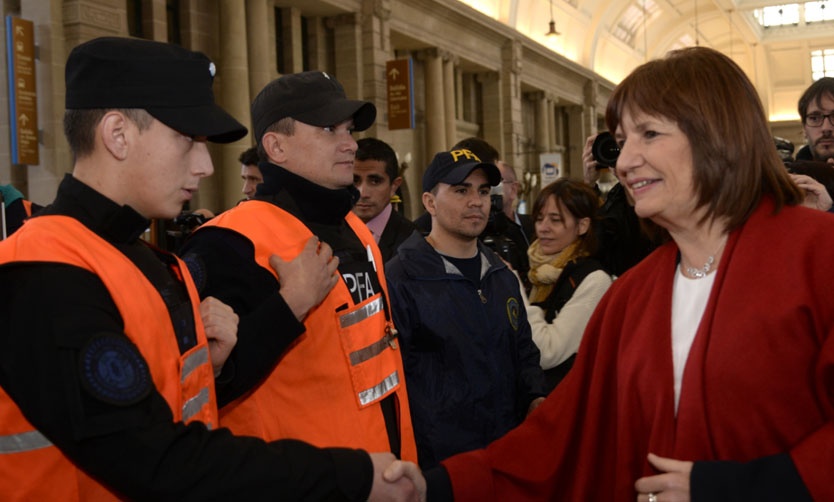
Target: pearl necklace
<point>700,273</point>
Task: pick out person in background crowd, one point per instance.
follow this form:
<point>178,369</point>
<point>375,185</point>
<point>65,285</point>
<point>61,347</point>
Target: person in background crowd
<point>567,281</point>
<point>509,183</point>
<point>813,169</point>
<point>471,366</point>
<point>623,240</point>
<point>341,383</point>
<point>250,173</point>
<point>705,371</point>
<point>15,209</point>
<point>108,378</point>
<point>816,110</point>
<point>375,175</point>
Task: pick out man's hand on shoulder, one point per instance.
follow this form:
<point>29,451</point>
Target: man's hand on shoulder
<point>308,278</point>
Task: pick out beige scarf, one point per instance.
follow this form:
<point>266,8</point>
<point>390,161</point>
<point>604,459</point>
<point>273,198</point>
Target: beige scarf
<point>546,269</point>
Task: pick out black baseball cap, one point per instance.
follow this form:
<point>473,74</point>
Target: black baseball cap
<point>171,83</point>
<point>453,167</point>
<point>312,97</point>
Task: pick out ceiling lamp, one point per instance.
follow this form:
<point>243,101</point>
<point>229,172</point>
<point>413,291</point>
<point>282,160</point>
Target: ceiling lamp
<point>551,31</point>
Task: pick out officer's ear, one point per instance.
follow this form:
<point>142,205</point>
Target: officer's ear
<point>112,132</point>
<point>429,203</point>
<point>275,147</point>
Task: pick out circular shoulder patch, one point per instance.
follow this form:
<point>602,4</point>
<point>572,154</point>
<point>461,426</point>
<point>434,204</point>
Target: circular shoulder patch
<point>113,370</point>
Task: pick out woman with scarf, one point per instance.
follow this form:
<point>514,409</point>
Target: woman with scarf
<point>567,282</point>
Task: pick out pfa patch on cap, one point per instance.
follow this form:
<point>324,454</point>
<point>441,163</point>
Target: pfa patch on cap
<point>113,370</point>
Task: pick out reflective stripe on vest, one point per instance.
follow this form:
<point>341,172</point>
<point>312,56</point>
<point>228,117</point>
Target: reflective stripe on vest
<point>25,441</point>
<point>357,316</point>
<point>193,405</point>
<point>193,362</point>
<point>379,390</point>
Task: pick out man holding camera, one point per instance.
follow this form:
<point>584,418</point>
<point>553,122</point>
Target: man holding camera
<point>813,169</point>
<point>623,240</point>
<point>472,368</point>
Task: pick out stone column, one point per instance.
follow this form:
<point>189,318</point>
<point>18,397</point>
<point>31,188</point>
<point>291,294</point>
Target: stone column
<point>511,56</point>
<point>291,44</point>
<point>543,131</point>
<point>449,102</point>
<point>435,104</point>
<point>577,132</point>
<point>376,51</point>
<point>347,33</point>
<point>459,92</point>
<point>591,97</point>
<point>552,139</point>
<point>259,45</point>
<point>492,110</point>
<point>232,88</point>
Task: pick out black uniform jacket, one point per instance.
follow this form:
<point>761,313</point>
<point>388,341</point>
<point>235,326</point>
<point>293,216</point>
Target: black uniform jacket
<point>48,310</point>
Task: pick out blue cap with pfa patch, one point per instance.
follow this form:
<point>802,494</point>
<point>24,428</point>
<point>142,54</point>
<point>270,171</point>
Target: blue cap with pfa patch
<point>171,83</point>
<point>454,167</point>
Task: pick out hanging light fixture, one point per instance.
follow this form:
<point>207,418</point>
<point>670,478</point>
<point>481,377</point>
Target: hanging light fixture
<point>551,31</point>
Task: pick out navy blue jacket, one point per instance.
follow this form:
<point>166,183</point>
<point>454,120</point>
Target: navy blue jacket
<point>471,366</point>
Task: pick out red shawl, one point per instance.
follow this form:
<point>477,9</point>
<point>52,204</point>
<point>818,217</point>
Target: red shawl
<point>759,379</point>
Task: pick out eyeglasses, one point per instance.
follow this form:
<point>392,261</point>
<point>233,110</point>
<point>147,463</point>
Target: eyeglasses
<point>816,119</point>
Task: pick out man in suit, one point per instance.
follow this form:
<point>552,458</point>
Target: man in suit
<point>376,177</point>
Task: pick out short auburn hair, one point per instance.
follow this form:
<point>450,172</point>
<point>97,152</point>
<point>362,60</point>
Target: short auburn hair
<point>734,157</point>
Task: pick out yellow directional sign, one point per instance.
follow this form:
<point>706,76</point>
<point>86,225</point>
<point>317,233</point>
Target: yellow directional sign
<point>23,97</point>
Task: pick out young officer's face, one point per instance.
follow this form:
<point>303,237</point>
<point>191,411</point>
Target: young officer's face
<point>165,170</point>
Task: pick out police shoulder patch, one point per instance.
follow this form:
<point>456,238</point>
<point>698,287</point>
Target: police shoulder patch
<point>113,370</point>
<point>513,314</point>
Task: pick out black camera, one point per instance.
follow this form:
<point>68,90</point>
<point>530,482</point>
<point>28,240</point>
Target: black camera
<point>494,235</point>
<point>605,150</point>
<point>785,148</point>
<point>190,221</point>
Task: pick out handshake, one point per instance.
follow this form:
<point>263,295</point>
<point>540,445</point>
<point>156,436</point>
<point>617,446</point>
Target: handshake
<point>396,480</point>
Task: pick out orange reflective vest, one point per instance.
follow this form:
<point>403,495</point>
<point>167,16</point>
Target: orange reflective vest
<point>27,206</point>
<point>326,389</point>
<point>31,468</point>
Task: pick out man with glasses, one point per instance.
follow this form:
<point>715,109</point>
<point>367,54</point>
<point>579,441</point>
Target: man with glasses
<point>510,183</point>
<point>816,108</point>
<point>811,170</point>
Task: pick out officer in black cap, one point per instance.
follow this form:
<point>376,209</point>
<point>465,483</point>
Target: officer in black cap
<point>304,125</point>
<point>107,356</point>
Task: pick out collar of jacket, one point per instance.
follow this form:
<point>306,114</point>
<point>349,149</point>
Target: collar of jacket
<point>420,259</point>
<point>113,222</point>
<point>314,202</point>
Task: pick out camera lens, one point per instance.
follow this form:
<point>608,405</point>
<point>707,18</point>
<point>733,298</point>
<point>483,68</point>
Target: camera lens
<point>605,150</point>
